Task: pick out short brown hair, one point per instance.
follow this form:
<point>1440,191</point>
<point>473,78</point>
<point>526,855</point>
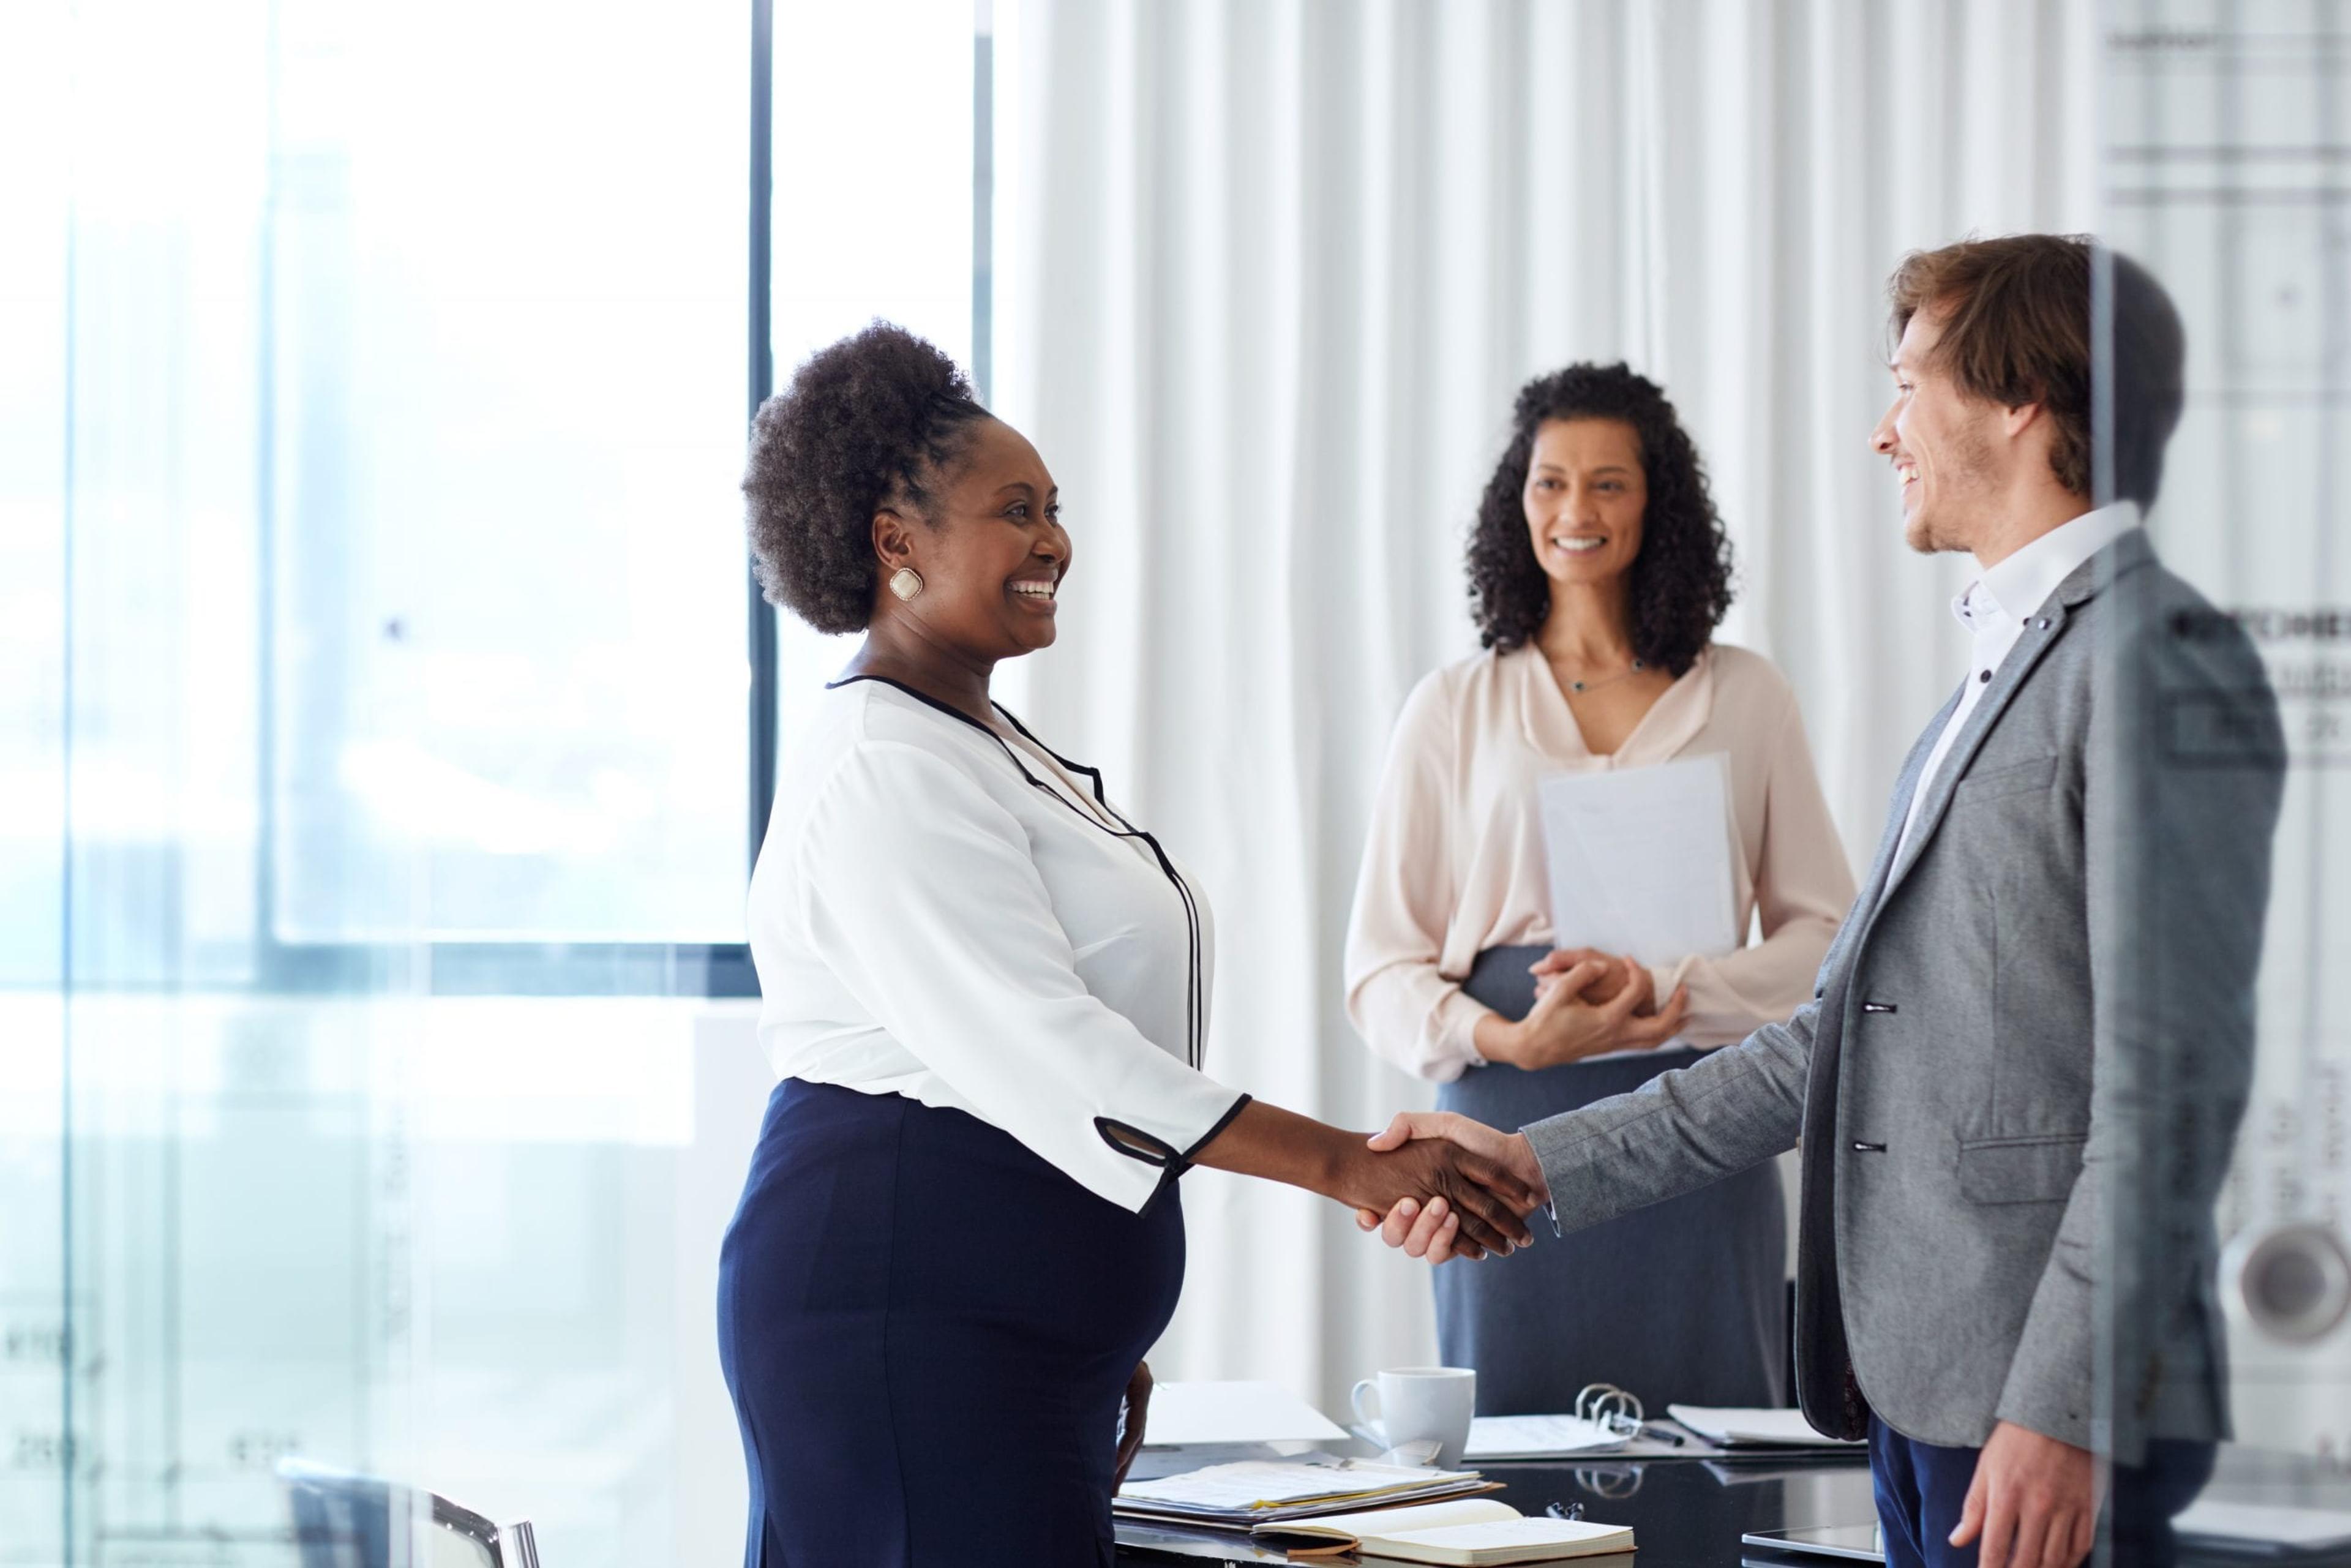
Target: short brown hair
<point>2018,316</point>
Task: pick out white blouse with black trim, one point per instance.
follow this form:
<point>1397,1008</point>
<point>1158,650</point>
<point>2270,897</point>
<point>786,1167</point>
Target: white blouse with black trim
<point>942,911</point>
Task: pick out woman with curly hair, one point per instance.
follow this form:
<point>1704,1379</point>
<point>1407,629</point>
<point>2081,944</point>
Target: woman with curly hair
<point>1598,571</point>
<point>985,990</point>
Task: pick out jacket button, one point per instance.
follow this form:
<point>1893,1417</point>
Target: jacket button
<point>1985,675</point>
<point>2042,623</point>
<point>1861,1148</point>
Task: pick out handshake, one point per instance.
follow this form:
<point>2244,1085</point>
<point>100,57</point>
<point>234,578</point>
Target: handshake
<point>1439,1185</point>
<point>1462,1190</point>
<point>1480,1184</point>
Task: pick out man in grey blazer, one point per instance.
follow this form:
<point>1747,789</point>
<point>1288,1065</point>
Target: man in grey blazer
<point>2016,1087</point>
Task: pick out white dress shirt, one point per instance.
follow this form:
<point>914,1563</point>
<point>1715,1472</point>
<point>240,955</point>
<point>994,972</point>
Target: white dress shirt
<point>1995,608</point>
<point>930,917</point>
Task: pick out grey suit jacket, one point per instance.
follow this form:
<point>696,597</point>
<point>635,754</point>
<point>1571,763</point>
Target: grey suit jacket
<point>2021,1076</point>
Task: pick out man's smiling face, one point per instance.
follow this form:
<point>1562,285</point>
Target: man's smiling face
<point>1941,443</point>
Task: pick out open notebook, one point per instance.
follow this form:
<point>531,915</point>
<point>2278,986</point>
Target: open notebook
<point>1472,1532</point>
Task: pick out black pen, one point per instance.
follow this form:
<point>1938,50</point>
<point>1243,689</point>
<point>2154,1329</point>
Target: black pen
<point>1660,1435</point>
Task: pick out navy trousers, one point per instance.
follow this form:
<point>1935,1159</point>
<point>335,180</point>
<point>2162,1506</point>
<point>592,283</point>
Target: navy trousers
<point>1922,1486</point>
<point>927,1330</point>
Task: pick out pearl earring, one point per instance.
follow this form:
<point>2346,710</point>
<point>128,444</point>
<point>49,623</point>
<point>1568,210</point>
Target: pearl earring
<point>906,582</point>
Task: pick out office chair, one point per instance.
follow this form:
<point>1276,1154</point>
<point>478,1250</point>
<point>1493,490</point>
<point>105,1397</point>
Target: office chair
<point>345,1520</point>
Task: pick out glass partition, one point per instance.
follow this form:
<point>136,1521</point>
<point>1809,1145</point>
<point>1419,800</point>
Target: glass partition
<point>376,737</point>
<point>2228,137</point>
<point>371,595</point>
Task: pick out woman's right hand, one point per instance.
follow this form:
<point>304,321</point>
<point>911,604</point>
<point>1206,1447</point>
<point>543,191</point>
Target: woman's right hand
<point>1489,1200</point>
<point>1565,1026</point>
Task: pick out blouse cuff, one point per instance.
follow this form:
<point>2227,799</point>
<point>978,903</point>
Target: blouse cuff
<point>1664,977</point>
<point>1152,1150</point>
<point>1453,1038</point>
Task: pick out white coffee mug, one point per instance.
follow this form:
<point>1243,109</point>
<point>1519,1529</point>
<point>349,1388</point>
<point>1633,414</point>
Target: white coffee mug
<point>1420,1403</point>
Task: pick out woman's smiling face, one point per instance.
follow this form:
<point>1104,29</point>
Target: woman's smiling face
<point>992,553</point>
<point>1584,496</point>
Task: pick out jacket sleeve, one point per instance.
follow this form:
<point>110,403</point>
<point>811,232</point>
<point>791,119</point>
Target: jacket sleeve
<point>1681,1130</point>
<point>2180,794</point>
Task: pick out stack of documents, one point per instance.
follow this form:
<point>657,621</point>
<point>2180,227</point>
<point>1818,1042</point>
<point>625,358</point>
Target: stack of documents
<point>1259,1491</point>
<point>1741,1428</point>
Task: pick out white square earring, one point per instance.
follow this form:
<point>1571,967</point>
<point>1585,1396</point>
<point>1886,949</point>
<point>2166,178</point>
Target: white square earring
<point>906,582</point>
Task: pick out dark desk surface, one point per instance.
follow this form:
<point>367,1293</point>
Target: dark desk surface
<point>1689,1513</point>
<point>1685,1513</point>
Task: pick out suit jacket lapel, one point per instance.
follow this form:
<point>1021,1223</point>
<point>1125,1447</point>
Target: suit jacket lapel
<point>2041,629</point>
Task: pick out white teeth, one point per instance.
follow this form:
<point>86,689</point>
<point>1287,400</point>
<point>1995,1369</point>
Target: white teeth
<point>1034,590</point>
<point>1577,545</point>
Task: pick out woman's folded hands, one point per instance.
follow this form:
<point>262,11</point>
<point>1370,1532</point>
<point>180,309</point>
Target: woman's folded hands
<point>1587,1004</point>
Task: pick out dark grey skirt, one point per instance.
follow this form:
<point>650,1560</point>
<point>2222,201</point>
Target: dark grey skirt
<point>1681,1303</point>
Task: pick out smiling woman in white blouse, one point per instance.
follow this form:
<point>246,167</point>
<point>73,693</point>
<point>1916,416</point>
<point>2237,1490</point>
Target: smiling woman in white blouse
<point>985,991</point>
<point>1599,571</point>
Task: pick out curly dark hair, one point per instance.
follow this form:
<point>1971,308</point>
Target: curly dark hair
<point>867,421</point>
<point>1680,583</point>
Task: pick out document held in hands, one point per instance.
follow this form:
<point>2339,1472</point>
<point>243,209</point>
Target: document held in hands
<point>1640,860</point>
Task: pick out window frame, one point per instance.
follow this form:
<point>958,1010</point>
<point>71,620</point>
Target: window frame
<point>472,965</point>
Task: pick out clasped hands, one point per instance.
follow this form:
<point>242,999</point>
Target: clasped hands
<point>1586,1003</point>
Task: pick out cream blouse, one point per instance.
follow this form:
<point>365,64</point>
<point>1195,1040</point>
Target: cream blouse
<point>1455,863</point>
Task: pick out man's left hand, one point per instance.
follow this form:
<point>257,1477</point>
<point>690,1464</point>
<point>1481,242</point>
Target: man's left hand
<point>2034,1503</point>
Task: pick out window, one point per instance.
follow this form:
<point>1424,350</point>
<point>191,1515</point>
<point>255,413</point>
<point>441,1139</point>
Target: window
<point>373,627</point>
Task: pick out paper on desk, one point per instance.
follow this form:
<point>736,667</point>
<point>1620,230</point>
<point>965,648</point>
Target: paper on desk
<point>1537,1438</point>
<point>1259,1490</point>
<point>2264,1525</point>
<point>1736,1427</point>
<point>1640,860</point>
<point>1193,1414</point>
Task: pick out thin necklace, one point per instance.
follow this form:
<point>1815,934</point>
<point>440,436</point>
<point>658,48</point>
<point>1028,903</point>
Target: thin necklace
<point>1581,687</point>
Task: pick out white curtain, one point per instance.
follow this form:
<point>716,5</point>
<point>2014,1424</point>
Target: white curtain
<point>1268,275</point>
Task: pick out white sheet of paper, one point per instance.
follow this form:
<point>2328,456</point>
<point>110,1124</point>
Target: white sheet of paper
<point>1259,1484</point>
<point>1640,860</point>
<point>1190,1414</point>
<point>1785,1428</point>
<point>1521,1436</point>
<point>1507,1532</point>
<point>2301,1529</point>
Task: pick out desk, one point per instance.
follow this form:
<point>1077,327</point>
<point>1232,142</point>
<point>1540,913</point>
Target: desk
<point>1685,1513</point>
<point>1689,1513</point>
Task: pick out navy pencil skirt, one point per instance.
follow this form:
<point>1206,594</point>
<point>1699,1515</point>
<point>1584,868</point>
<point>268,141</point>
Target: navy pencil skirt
<point>927,1330</point>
